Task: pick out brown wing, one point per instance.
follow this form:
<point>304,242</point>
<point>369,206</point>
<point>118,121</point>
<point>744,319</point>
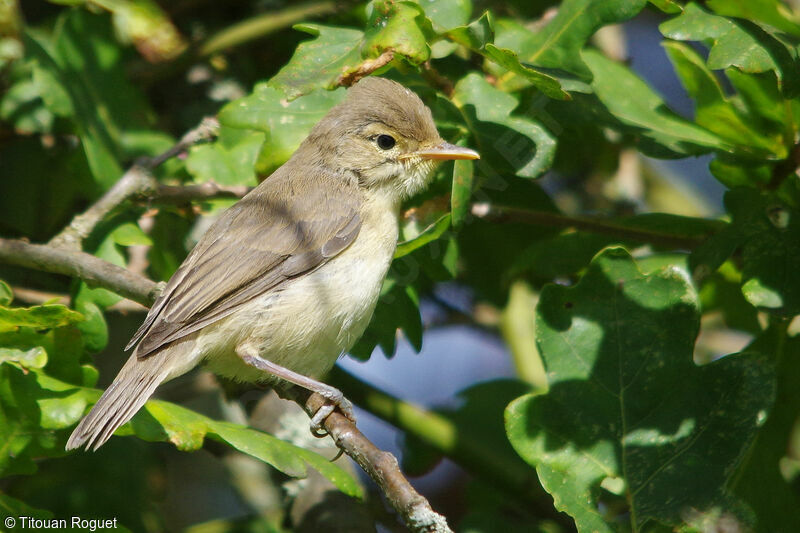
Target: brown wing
<point>282,229</point>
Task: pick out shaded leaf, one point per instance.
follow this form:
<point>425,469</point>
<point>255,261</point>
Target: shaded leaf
<point>397,309</point>
<point>187,430</point>
<point>285,123</point>
<point>429,234</point>
<point>446,14</point>
<point>636,106</point>
<point>558,45</point>
<point>769,234</point>
<point>627,409</point>
<point>478,36</point>
<point>771,12</point>
<point>463,174</point>
<point>713,111</point>
<point>399,27</point>
<point>736,43</point>
<point>319,63</point>
<point>773,499</point>
<point>231,160</point>
<point>524,144</point>
<point>6,295</point>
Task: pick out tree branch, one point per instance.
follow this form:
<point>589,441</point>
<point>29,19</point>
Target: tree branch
<point>137,181</point>
<point>93,270</point>
<point>591,225</point>
<point>179,194</point>
<point>381,466</point>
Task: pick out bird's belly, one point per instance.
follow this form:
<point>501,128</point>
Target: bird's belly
<point>306,324</point>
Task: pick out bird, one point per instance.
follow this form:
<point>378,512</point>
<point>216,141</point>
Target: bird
<point>286,280</point>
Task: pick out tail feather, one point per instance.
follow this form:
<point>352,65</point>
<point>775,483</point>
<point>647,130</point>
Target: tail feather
<point>132,387</point>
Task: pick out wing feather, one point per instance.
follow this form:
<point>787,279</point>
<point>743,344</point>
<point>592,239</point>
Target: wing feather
<point>260,243</point>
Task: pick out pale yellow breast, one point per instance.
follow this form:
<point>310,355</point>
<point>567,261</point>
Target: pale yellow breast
<point>307,324</point>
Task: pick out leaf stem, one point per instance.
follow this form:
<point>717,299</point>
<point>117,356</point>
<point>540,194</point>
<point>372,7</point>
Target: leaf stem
<point>261,25</point>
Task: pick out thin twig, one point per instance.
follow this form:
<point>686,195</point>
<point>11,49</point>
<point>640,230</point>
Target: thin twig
<point>137,181</point>
<point>415,511</point>
<point>179,194</point>
<point>591,225</point>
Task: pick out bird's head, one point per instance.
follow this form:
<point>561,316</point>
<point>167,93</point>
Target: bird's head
<point>385,135</point>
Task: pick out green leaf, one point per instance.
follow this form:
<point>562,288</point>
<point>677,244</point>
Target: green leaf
<point>713,111</point>
<point>629,416</point>
<point>186,429</point>
<point>230,160</point>
<point>6,294</point>
<point>319,63</point>
<point>84,60</point>
<point>770,12</point>
<point>38,316</point>
<point>768,232</point>
<point>94,330</point>
<point>463,174</point>
<point>429,234</point>
<point>130,234</point>
<point>339,56</point>
<point>144,23</point>
<point>637,107</point>
<point>667,6</point>
<point>22,106</point>
<point>285,124</point>
<point>478,36</point>
<point>397,309</point>
<point>447,14</point>
<point>397,26</point>
<point>474,35</point>
<point>736,43</point>
<point>36,357</point>
<point>12,507</point>
<point>558,45</point>
<point>773,499</point>
<point>521,143</point>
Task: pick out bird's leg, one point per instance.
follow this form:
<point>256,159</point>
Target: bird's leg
<point>249,355</point>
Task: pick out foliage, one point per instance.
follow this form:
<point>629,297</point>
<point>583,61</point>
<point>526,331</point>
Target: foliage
<point>645,425</point>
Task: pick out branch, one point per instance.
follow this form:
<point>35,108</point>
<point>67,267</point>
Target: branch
<point>497,213</point>
<point>137,181</point>
<point>179,194</point>
<point>381,466</point>
<point>93,270</point>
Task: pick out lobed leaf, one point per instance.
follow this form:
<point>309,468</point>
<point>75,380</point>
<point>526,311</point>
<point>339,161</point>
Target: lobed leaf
<point>628,415</point>
<point>284,123</point>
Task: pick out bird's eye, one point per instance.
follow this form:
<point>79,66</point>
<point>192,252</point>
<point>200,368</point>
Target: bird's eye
<point>385,142</point>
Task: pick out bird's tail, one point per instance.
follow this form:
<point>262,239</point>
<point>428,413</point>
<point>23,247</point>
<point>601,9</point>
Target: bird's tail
<point>132,387</point>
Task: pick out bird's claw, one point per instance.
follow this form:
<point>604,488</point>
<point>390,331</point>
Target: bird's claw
<point>335,399</point>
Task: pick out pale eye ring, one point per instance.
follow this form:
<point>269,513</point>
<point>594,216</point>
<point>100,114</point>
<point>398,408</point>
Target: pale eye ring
<point>385,142</point>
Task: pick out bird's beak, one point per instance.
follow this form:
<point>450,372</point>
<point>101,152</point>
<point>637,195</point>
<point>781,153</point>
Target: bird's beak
<point>445,151</point>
